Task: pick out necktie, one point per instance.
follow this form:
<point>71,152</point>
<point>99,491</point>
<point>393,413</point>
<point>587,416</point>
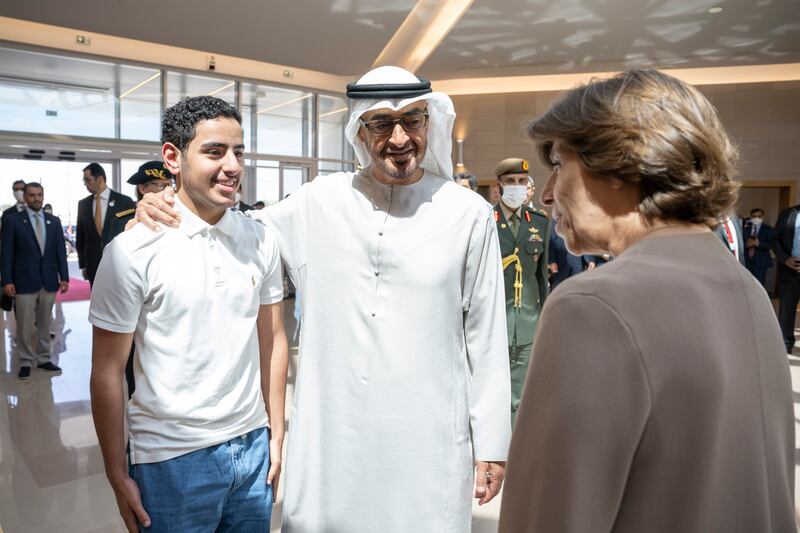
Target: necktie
<point>513,223</point>
<point>98,214</point>
<point>38,228</point>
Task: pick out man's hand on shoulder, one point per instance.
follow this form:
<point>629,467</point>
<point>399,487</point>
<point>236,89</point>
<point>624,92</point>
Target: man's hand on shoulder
<point>155,208</point>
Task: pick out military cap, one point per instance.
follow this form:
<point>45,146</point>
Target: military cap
<point>152,170</point>
<point>512,165</point>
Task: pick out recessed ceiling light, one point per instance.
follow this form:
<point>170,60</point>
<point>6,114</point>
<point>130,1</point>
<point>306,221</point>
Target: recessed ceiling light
<point>714,10</point>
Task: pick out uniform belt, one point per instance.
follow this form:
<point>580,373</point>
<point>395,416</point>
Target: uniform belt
<point>514,258</point>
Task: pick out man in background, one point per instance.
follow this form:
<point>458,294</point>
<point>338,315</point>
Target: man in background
<point>523,233</point>
<point>34,267</point>
<point>465,179</point>
<point>19,195</point>
<point>758,245</point>
<point>786,246</point>
<point>95,213</point>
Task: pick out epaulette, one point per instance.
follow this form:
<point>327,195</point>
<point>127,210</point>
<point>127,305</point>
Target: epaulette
<point>125,213</point>
<point>540,212</point>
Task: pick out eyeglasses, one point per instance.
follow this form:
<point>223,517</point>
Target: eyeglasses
<point>159,185</point>
<point>410,123</point>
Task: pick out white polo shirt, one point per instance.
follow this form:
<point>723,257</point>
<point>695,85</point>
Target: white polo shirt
<point>191,296</point>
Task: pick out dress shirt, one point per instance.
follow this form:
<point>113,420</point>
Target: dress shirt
<point>103,203</point>
<point>32,217</point>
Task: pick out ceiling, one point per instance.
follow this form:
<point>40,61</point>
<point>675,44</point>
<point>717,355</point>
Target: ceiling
<point>493,38</point>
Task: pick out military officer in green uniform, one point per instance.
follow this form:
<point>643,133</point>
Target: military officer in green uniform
<point>524,237</point>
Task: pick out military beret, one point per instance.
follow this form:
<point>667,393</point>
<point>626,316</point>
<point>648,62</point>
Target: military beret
<point>512,165</point>
<point>152,170</point>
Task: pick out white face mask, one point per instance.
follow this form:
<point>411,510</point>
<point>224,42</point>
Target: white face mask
<point>756,221</point>
<point>514,195</point>
<point>19,195</point>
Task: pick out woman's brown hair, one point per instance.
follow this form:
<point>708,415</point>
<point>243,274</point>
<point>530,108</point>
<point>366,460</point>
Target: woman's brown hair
<point>645,127</point>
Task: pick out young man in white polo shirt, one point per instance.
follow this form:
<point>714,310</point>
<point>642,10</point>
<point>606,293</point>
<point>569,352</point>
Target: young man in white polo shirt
<point>203,303</point>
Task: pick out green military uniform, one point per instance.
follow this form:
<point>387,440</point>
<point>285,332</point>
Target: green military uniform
<point>523,247</point>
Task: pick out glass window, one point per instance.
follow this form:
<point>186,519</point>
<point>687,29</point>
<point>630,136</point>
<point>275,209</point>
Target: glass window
<point>293,178</point>
<point>333,117</point>
<point>180,85</point>
<point>282,118</point>
<point>329,167</point>
<point>267,181</point>
<point>46,93</point>
<point>140,103</point>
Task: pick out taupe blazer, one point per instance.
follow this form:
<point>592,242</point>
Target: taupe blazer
<point>658,400</point>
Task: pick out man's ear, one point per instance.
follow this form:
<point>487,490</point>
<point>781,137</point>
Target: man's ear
<point>172,158</point>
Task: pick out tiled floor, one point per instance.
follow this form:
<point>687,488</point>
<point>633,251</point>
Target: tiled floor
<point>51,471</point>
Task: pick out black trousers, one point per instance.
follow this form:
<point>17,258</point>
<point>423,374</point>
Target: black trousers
<point>788,297</point>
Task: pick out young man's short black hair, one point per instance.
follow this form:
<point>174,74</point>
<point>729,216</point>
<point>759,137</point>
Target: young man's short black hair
<point>96,170</point>
<point>18,182</point>
<point>756,210</point>
<point>33,185</point>
<point>180,121</point>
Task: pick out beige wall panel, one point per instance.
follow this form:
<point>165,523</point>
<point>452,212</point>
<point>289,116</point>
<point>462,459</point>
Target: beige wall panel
<point>762,118</point>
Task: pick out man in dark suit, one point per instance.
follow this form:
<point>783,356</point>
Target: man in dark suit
<point>34,267</point>
<point>563,264</point>
<point>19,196</point>
<point>786,246</point>
<point>18,186</point>
<point>758,244</point>
<point>95,213</point>
<point>730,231</point>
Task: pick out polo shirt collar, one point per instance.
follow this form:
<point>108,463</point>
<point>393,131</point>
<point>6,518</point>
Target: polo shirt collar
<point>191,224</point>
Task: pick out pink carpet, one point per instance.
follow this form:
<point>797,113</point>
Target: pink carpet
<point>78,290</point>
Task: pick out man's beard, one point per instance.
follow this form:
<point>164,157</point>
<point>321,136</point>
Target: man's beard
<point>399,172</point>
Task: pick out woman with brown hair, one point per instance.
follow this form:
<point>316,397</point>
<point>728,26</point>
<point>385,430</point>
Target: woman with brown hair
<point>658,397</point>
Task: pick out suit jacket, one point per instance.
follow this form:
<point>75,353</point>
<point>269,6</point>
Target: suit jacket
<point>658,400</point>
<point>530,245</point>
<point>784,239</point>
<point>89,244</point>
<point>23,263</point>
<point>737,223</point>
<point>761,258</point>
<point>10,210</point>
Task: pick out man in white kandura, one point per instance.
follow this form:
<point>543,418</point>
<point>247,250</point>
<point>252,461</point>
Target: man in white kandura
<point>403,378</point>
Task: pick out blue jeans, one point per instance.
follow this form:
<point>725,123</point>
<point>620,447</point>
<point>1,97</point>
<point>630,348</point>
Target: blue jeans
<point>219,488</point>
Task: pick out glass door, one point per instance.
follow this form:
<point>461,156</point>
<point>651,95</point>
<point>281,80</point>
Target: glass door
<point>293,176</point>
